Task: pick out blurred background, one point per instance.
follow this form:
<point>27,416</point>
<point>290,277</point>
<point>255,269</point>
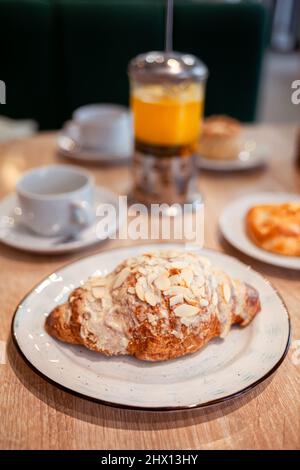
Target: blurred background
<point>60,54</point>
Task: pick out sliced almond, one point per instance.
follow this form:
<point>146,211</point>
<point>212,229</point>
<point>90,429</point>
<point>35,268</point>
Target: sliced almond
<point>187,275</point>
<point>150,254</point>
<point>151,298</point>
<point>176,279</point>
<point>215,299</point>
<point>131,290</point>
<point>172,254</point>
<point>151,261</point>
<point>195,290</point>
<point>200,280</point>
<point>121,277</point>
<point>98,281</point>
<point>98,292</point>
<point>164,313</point>
<point>190,301</point>
<point>151,319</point>
<point>204,261</point>
<point>151,277</point>
<point>186,310</point>
<point>225,329</point>
<point>202,291</point>
<point>178,264</point>
<point>177,299</point>
<point>226,292</point>
<point>175,290</point>
<point>90,297</point>
<point>204,303</point>
<point>162,282</point>
<point>197,270</point>
<point>143,271</point>
<point>140,291</point>
<point>114,325</point>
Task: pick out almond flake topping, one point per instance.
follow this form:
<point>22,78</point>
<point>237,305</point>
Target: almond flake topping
<point>90,297</point>
<point>151,277</point>
<point>162,282</point>
<point>226,292</point>
<point>143,271</point>
<point>190,301</point>
<point>202,291</point>
<point>98,281</point>
<point>187,276</point>
<point>177,299</point>
<point>178,264</point>
<point>186,310</point>
<point>172,254</point>
<point>204,303</point>
<point>151,298</point>
<point>200,280</point>
<point>140,291</point>
<point>175,290</point>
<point>176,279</point>
<point>215,299</point>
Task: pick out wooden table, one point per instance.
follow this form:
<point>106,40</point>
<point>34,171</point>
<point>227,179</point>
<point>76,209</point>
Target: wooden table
<point>37,415</point>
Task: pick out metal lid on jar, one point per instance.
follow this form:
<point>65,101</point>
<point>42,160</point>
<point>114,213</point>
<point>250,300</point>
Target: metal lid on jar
<point>160,66</point>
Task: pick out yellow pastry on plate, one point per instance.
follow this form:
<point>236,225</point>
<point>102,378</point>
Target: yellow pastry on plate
<point>275,227</point>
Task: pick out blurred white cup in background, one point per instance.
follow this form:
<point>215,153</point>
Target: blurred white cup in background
<point>56,200</point>
<point>106,128</point>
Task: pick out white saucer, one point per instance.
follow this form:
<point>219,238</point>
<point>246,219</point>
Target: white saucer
<point>245,161</point>
<point>232,225</point>
<point>16,235</point>
<point>70,148</point>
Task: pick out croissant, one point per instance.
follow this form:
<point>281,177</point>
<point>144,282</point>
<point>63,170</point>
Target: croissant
<point>155,306</point>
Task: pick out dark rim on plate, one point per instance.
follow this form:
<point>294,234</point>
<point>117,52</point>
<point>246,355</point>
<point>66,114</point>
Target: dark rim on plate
<point>157,408</point>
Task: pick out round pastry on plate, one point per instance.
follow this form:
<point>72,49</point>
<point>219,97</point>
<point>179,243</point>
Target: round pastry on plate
<point>220,138</point>
<point>221,370</point>
<point>156,306</point>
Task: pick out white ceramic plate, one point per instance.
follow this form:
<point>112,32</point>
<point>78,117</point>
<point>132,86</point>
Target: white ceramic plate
<point>247,161</point>
<point>13,233</point>
<point>232,225</point>
<point>222,370</point>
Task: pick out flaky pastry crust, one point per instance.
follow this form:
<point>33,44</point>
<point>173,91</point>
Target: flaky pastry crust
<point>155,307</point>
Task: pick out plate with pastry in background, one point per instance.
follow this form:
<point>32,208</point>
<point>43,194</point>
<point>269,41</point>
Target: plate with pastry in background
<point>265,226</point>
<point>226,145</point>
<point>154,327</point>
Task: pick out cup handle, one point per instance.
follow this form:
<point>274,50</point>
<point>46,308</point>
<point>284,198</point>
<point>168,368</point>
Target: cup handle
<point>82,214</point>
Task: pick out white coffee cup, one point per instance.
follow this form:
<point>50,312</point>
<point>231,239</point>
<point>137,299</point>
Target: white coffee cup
<point>106,128</point>
<point>56,200</point>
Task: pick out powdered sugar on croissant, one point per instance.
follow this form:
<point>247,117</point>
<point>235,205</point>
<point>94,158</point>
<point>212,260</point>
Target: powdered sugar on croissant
<point>155,306</point>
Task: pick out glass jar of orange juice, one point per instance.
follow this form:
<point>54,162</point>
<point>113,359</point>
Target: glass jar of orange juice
<point>167,98</point>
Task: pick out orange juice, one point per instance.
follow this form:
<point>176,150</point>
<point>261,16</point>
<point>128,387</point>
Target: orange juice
<point>167,116</point>
<point>167,94</point>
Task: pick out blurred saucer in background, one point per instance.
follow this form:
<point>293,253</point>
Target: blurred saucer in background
<point>16,235</point>
<point>98,133</point>
<point>246,160</point>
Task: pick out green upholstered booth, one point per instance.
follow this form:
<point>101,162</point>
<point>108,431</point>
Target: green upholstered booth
<point>59,54</point>
<point>27,60</point>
